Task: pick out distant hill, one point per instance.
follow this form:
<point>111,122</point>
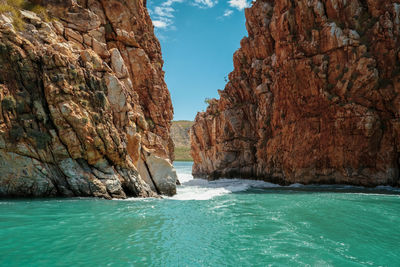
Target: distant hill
<point>180,136</point>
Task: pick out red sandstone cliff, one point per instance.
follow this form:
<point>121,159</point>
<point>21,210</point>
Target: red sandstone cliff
<point>314,97</point>
<point>84,107</point>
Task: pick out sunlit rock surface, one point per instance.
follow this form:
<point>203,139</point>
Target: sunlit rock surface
<point>314,97</point>
<point>82,102</point>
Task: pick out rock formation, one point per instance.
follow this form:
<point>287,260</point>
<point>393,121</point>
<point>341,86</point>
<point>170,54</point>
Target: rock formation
<point>180,133</point>
<point>84,109</point>
<point>314,97</point>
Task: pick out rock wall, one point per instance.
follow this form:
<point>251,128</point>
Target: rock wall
<point>314,97</point>
<point>84,109</point>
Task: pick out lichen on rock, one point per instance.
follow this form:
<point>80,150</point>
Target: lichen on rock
<point>314,97</point>
<point>76,94</point>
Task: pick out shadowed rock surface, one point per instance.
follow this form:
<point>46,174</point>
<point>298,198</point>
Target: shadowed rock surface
<point>84,109</point>
<point>314,97</point>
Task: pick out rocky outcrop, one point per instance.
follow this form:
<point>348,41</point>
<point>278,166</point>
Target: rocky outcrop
<point>84,107</point>
<point>314,97</point>
<point>180,133</point>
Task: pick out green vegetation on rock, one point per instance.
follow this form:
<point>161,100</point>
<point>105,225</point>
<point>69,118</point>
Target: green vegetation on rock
<point>180,136</point>
<point>42,139</point>
<point>8,103</point>
<point>13,8</point>
<point>182,154</point>
<point>184,124</point>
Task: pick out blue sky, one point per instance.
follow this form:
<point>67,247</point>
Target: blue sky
<point>198,39</point>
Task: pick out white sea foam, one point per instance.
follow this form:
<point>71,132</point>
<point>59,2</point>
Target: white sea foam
<point>201,189</point>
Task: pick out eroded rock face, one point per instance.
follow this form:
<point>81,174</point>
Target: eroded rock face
<point>314,97</point>
<point>83,102</point>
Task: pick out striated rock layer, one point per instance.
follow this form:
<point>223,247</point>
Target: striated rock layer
<point>314,97</point>
<point>84,107</point>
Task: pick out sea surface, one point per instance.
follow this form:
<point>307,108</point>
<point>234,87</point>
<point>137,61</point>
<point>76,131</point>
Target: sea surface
<point>221,223</point>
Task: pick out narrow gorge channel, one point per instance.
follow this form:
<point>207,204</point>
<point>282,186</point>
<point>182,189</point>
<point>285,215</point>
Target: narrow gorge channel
<point>295,164</point>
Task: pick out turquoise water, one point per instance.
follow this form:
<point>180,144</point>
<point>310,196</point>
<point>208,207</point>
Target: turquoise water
<point>224,223</point>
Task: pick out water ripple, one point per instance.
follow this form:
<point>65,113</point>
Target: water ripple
<point>221,223</point>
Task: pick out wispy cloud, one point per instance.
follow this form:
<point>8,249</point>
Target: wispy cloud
<point>238,4</point>
<point>163,14</point>
<point>164,11</point>
<point>160,24</point>
<point>228,13</point>
<point>205,3</point>
<point>234,4</point>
